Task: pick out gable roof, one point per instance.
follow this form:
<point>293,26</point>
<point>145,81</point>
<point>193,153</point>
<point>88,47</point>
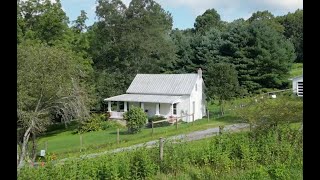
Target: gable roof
<point>165,84</point>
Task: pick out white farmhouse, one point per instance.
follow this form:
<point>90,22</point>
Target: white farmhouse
<point>297,85</point>
<point>168,95</point>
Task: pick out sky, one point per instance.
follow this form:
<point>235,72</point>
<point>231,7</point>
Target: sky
<point>184,12</point>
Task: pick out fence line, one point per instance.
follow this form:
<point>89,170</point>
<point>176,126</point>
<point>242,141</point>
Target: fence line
<point>171,120</point>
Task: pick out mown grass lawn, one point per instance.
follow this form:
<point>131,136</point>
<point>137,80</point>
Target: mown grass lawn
<point>67,143</point>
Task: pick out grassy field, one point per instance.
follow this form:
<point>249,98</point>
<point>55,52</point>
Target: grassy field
<point>296,70</point>
<point>65,143</point>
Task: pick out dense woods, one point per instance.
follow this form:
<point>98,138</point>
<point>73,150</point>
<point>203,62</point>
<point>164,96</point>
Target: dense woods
<point>65,68</point>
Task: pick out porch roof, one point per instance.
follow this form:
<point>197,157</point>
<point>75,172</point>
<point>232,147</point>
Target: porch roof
<point>145,98</point>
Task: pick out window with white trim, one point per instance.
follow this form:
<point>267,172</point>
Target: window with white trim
<point>174,109</point>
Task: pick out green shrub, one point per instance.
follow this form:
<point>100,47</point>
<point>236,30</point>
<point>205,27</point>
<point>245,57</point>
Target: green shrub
<point>265,113</point>
<point>94,123</point>
<point>136,119</point>
<point>141,165</point>
<point>110,125</point>
<point>279,171</point>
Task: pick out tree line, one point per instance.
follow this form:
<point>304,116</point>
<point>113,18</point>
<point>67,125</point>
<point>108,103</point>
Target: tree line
<point>65,68</point>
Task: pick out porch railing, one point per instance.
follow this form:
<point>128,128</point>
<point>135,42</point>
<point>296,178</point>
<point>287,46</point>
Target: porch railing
<point>116,115</point>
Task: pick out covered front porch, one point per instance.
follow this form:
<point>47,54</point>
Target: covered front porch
<point>153,105</point>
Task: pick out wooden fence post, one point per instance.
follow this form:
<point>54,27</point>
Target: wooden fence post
<point>161,148</point>
<point>176,122</point>
<point>152,128</point>
<point>118,136</point>
<point>80,142</point>
<point>208,114</point>
<point>219,129</point>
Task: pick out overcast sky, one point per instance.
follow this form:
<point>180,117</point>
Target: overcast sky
<point>184,12</point>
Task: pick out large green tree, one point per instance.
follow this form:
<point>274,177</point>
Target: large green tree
<point>184,52</point>
<point>130,40</point>
<point>293,24</point>
<point>272,55</point>
<point>79,37</point>
<point>209,19</point>
<point>221,83</point>
<point>268,18</point>
<point>195,50</point>
<point>261,54</point>
<point>42,20</point>
<point>48,83</point>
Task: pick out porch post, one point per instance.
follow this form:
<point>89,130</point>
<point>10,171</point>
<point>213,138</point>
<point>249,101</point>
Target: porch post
<point>118,106</point>
<point>125,106</point>
<point>171,109</point>
<point>157,109</point>
<point>142,107</point>
<point>109,106</point>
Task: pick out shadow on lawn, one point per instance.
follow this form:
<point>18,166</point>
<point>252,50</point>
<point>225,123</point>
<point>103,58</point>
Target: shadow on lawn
<point>60,128</point>
<point>122,132</point>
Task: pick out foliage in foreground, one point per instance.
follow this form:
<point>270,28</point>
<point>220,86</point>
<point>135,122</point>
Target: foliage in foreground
<point>276,154</point>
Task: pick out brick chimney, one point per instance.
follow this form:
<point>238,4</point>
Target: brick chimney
<point>200,73</point>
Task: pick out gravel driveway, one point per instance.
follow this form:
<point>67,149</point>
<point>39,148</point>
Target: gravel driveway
<point>178,138</point>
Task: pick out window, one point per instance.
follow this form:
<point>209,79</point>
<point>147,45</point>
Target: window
<point>300,89</point>
<point>121,105</point>
<point>174,109</point>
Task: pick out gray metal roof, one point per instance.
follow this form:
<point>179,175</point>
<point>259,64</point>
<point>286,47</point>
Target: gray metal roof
<point>145,98</point>
<point>167,84</point>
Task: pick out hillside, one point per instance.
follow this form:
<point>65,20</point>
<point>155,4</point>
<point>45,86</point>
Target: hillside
<point>296,70</point>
